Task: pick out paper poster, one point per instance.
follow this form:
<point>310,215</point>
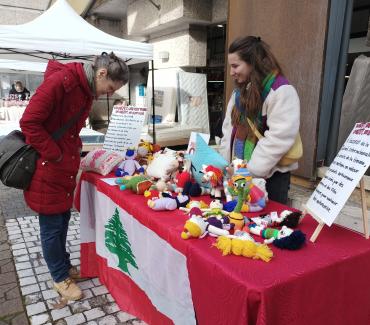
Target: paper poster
<point>124,128</point>
<point>343,175</point>
<point>193,140</point>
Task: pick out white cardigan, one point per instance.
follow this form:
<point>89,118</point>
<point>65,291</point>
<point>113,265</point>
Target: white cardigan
<point>282,108</point>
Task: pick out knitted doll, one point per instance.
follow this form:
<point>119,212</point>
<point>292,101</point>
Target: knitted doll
<point>215,209</point>
<point>137,184</point>
<point>286,218</point>
<point>240,246</point>
<point>213,176</point>
<point>168,203</point>
<point>129,166</point>
<point>284,238</point>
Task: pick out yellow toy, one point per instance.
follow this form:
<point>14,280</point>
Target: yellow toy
<point>237,245</point>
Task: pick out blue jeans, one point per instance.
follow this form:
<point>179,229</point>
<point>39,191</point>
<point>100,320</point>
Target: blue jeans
<point>53,232</point>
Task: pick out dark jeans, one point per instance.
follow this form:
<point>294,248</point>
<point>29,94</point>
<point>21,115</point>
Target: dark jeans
<point>53,232</point>
<point>277,187</point>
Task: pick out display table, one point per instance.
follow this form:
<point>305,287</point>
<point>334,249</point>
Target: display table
<point>323,283</point>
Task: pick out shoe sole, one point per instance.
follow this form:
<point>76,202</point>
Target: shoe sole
<point>68,297</point>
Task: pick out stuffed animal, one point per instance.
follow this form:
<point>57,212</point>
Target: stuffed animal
<point>197,227</point>
<point>194,204</point>
<point>129,166</point>
<point>163,166</point>
<point>215,209</point>
<point>213,176</point>
<point>284,238</point>
<point>240,246</point>
<point>145,152</point>
<point>181,178</point>
<point>286,218</point>
<point>137,184</point>
<point>168,203</point>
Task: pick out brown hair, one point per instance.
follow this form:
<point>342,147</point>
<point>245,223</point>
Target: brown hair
<point>117,69</point>
<point>257,53</point>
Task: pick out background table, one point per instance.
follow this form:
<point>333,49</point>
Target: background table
<point>323,283</point>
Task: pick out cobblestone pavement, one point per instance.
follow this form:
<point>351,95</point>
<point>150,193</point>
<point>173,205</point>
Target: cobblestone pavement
<point>26,294</point>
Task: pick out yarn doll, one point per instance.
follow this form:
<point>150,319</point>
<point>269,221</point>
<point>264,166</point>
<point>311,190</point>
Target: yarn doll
<point>168,202</point>
<point>137,184</point>
<point>213,176</point>
<point>286,218</point>
<point>284,238</point>
<point>197,227</point>
<point>242,245</point>
<point>215,209</point>
<point>129,166</point>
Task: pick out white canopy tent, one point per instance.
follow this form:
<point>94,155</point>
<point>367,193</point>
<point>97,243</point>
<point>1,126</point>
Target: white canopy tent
<point>18,65</point>
<point>60,33</point>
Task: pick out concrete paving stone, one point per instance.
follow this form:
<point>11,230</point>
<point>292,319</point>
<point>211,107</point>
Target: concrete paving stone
<point>41,269</point>
<point>16,240</point>
<point>76,242</point>
<point>75,262</point>
<point>101,290</point>
<point>75,319</point>
<point>94,313</point>
<point>13,292</point>
<point>92,323</point>
<point>35,264</point>
<point>25,273</point>
<point>11,306</point>
<point>27,280</point>
<point>19,252</point>
<point>44,277</point>
<point>71,232</point>
<point>22,258</point>
<point>20,319</point>
<point>138,322</point>
<point>60,313</point>
<point>75,248</point>
<point>7,265</point>
<point>23,266</point>
<point>14,232</point>
<point>37,308</point>
<point>75,255</point>
<point>43,286</point>
<point>8,277</point>
<point>12,228</point>
<point>30,244</point>
<point>111,308</point>
<point>31,238</point>
<point>107,320</point>
<point>96,282</point>
<point>35,249</point>
<point>5,255</point>
<point>30,289</point>
<point>110,298</point>
<point>98,301</point>
<point>80,306</point>
<point>33,298</point>
<point>49,294</point>
<point>124,317</point>
<point>40,319</point>
<point>87,294</point>
<point>18,246</point>
<point>71,237</point>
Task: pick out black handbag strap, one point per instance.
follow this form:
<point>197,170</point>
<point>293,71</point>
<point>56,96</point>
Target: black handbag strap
<point>59,133</point>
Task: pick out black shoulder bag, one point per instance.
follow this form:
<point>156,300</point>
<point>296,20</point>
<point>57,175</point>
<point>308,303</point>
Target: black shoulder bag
<point>18,159</point>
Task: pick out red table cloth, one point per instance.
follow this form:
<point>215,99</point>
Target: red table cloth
<point>327,282</point>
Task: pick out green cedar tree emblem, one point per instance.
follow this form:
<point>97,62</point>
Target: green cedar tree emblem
<point>117,242</point>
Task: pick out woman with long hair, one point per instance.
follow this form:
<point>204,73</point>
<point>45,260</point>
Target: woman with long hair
<point>263,101</point>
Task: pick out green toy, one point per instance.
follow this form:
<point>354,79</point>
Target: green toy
<point>137,184</point>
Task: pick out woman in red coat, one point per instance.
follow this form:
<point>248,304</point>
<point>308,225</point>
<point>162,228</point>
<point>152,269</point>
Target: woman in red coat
<point>67,91</point>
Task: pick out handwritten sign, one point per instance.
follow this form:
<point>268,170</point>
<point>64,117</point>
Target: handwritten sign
<point>343,175</point>
<point>124,128</point>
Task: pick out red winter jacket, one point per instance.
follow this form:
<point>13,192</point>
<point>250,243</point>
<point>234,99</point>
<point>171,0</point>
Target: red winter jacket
<point>63,93</point>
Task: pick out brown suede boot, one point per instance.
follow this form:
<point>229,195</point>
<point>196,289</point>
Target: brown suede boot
<point>74,273</point>
<point>68,289</point>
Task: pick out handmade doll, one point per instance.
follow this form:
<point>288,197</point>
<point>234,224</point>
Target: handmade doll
<point>215,209</point>
<point>242,245</point>
<point>213,176</point>
<point>168,202</point>
<point>272,219</point>
<point>129,166</point>
<point>137,184</point>
<point>284,238</point>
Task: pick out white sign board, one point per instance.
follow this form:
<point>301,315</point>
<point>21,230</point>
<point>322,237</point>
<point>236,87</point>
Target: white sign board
<point>343,175</point>
<point>124,128</point>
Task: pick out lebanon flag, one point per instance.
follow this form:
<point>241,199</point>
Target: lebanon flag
<point>133,262</point>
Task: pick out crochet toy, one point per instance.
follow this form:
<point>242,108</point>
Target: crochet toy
<point>168,202</point>
<point>241,187</point>
<point>181,178</point>
<point>137,184</point>
<point>286,218</point>
<point>145,152</point>
<point>215,209</point>
<point>194,204</point>
<point>243,247</point>
<point>129,166</point>
<point>213,176</point>
<point>284,238</point>
<point>197,227</point>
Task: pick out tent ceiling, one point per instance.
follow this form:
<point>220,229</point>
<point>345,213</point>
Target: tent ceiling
<point>62,34</point>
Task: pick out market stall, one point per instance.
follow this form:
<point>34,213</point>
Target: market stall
<point>163,279</point>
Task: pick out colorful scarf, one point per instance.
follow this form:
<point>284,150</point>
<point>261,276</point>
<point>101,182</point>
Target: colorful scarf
<point>243,139</point>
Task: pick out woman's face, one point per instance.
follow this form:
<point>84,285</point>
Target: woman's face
<point>104,85</point>
<point>239,69</point>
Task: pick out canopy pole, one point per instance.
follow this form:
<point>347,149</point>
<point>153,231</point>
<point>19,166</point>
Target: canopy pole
<point>153,103</point>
